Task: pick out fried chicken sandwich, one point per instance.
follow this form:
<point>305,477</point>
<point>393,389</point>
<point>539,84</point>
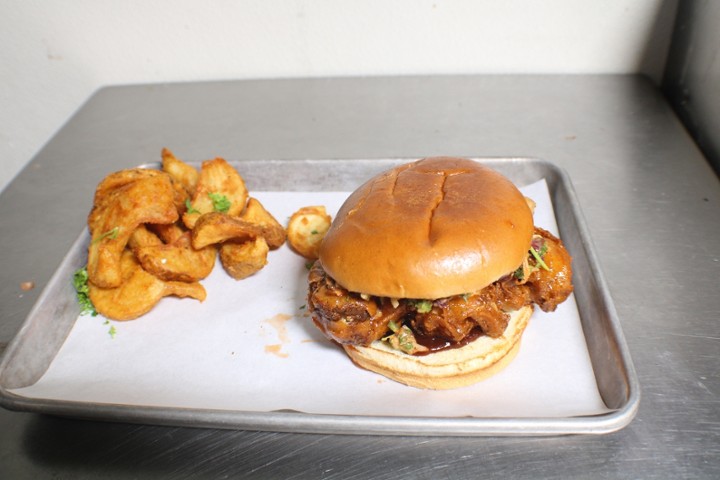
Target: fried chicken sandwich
<point>430,271</point>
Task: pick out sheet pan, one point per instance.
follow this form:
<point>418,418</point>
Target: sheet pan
<point>50,322</point>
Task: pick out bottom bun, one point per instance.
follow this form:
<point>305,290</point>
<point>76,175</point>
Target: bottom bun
<point>445,369</point>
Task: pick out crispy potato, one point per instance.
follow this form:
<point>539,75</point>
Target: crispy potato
<point>148,199</point>
<point>273,232</point>
<point>217,177</point>
<point>182,173</point>
<point>306,229</point>
<point>168,233</point>
<point>138,292</point>
<point>177,261</point>
<point>241,260</point>
<point>113,182</point>
<point>217,227</point>
<point>142,237</point>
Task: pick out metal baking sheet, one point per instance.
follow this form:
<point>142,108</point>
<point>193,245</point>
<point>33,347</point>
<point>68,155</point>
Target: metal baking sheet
<point>50,321</point>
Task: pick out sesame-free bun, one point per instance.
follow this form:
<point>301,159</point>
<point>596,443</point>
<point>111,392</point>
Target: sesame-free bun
<point>434,228</point>
<point>445,369</point>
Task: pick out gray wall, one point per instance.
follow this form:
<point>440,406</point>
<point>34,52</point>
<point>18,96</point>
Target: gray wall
<point>692,75</point>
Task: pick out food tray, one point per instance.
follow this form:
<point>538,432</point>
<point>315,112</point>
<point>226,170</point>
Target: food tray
<point>33,351</point>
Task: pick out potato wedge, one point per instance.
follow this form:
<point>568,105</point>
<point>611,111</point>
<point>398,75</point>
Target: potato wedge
<point>184,174</point>
<point>218,180</point>
<point>168,233</point>
<point>217,227</point>
<point>177,261</point>
<point>138,292</point>
<point>241,260</point>
<point>142,237</point>
<point>111,223</point>
<point>306,230</point>
<point>115,181</point>
<point>272,230</point>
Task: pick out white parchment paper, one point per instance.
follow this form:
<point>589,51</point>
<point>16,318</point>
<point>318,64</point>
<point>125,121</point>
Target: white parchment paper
<point>252,347</point>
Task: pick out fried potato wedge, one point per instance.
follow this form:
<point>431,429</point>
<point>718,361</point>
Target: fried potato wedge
<point>216,227</point>
<point>169,232</point>
<point>142,237</point>
<point>272,230</point>
<point>306,230</point>
<point>116,181</point>
<point>120,211</point>
<point>241,260</point>
<point>184,174</point>
<point>177,261</point>
<point>220,180</point>
<point>138,292</point>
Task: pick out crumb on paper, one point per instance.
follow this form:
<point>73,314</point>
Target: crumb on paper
<point>27,286</point>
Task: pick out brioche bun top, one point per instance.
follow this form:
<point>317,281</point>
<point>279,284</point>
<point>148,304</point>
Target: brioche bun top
<point>434,228</point>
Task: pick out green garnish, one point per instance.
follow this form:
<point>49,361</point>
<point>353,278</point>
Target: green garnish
<point>539,259</point>
<point>423,306</point>
<point>80,282</point>
<point>112,331</point>
<point>403,339</point>
<point>111,234</point>
<point>406,340</point>
<point>302,307</point>
<point>220,202</point>
<point>189,207</point>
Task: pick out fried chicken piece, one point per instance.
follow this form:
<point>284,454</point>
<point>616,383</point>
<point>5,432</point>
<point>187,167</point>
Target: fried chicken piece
<point>549,288</point>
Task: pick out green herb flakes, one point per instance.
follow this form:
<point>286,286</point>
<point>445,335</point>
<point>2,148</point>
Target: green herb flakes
<point>80,282</point>
<point>423,306</point>
<point>112,234</point>
<point>220,202</point>
<point>189,207</point>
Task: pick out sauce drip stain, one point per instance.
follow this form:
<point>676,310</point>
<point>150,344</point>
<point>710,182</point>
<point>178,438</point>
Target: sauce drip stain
<point>278,323</point>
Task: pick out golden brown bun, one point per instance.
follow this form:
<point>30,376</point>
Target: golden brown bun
<point>445,369</point>
<point>429,229</point>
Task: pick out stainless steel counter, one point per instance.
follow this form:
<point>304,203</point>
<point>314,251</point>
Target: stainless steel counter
<point>651,201</point>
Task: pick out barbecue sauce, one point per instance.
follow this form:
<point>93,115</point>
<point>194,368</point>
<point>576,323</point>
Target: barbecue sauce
<point>436,344</point>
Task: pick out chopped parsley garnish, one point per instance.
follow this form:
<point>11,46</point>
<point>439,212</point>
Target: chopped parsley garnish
<point>423,306</point>
<point>220,202</point>
<point>112,331</point>
<point>80,279</point>
<point>111,234</point>
<point>189,207</point>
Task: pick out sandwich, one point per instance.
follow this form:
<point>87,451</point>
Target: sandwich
<point>430,272</point>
